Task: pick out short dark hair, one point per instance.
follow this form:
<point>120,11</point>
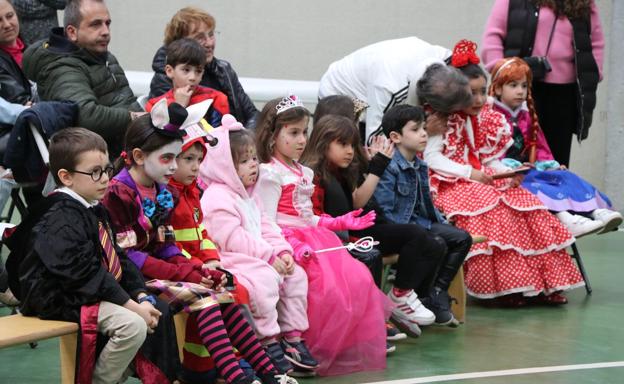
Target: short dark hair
<point>335,105</point>
<point>473,71</point>
<point>72,14</point>
<point>186,51</point>
<point>395,119</point>
<point>68,144</point>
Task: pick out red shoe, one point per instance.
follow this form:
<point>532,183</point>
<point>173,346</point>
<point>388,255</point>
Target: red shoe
<point>554,299</point>
<point>515,300</point>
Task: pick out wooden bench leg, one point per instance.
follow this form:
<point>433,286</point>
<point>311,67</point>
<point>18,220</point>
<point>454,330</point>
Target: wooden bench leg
<point>180,325</point>
<point>457,290</point>
<point>68,345</point>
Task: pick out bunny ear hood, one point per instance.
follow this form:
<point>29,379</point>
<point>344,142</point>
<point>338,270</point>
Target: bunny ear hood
<point>218,166</point>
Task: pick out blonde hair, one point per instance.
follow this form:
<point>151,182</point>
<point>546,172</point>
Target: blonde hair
<point>182,22</point>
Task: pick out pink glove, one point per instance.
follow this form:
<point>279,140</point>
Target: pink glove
<point>350,221</point>
<point>301,251</point>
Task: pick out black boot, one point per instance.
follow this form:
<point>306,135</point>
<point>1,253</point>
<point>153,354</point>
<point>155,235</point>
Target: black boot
<point>439,303</point>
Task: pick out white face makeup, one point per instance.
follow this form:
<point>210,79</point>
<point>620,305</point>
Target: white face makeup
<point>160,165</point>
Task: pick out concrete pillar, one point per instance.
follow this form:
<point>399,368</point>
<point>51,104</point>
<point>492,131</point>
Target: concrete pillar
<point>614,172</point>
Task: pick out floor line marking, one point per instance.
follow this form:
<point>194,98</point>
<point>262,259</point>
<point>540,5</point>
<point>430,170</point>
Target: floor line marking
<point>505,372</point>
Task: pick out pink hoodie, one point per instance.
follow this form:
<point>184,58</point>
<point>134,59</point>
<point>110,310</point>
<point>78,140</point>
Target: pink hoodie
<point>561,54</point>
<point>232,217</point>
<point>248,242</point>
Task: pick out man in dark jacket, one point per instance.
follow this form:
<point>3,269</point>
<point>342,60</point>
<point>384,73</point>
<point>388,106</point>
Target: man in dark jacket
<point>196,24</point>
<point>75,64</point>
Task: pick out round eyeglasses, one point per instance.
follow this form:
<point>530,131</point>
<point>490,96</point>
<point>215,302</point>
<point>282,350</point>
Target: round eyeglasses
<point>97,172</point>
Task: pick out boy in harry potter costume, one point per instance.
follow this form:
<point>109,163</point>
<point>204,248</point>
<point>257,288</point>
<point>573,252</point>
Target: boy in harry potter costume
<point>65,265</point>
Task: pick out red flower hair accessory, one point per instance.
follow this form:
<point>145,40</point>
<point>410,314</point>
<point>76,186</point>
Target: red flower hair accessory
<point>464,53</point>
<point>124,156</point>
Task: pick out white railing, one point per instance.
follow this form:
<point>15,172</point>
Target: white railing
<point>259,90</point>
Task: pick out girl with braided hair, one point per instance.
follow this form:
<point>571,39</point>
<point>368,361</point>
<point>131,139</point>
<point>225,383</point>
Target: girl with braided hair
<point>560,190</point>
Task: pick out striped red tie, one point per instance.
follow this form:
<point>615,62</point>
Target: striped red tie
<point>112,260</point>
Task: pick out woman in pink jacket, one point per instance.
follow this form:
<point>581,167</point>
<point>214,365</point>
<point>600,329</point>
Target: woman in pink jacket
<point>563,42</point>
<point>253,249</point>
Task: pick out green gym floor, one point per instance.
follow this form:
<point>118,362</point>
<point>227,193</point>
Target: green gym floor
<point>582,342</point>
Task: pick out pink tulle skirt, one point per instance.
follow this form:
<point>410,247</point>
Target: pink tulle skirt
<point>346,311</point>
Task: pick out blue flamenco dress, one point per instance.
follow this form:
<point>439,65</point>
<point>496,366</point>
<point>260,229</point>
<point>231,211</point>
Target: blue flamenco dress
<point>559,190</point>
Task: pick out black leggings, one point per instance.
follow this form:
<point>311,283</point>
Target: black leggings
<point>427,257</point>
<point>557,110</point>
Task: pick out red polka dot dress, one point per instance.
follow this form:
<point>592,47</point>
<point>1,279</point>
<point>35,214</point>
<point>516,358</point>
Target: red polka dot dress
<point>525,251</point>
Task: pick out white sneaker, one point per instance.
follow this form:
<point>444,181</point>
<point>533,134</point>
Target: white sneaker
<point>579,225</point>
<point>610,219</point>
<point>410,313</point>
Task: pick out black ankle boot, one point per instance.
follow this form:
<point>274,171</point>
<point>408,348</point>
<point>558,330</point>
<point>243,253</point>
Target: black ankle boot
<point>439,303</point>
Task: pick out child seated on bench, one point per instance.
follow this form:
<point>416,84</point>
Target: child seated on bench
<point>65,264</point>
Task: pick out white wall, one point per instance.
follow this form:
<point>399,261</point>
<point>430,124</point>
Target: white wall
<point>299,39</point>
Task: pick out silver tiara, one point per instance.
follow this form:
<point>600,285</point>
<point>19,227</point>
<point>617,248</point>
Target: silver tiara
<point>288,102</point>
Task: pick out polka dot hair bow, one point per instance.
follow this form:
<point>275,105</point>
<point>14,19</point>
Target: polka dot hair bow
<point>464,53</point>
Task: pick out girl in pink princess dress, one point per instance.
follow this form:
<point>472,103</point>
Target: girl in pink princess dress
<point>346,310</point>
<point>524,259</point>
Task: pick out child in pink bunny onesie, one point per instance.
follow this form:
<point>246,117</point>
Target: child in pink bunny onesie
<point>253,249</point>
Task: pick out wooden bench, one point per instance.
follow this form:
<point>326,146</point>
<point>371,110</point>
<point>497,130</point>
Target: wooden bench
<point>18,329</point>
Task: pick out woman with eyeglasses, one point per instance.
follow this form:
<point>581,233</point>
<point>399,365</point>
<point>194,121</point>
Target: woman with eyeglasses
<point>194,23</point>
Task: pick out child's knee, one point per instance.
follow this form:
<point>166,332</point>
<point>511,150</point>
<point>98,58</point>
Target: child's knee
<point>436,247</point>
<point>296,284</point>
<point>264,302</point>
<point>134,330</point>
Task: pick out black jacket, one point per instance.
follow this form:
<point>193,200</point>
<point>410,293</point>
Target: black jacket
<point>14,86</point>
<point>22,154</point>
<point>56,261</point>
<point>521,28</point>
<point>218,75</point>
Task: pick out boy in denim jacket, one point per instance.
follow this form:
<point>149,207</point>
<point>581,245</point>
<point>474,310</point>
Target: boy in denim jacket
<point>403,196</point>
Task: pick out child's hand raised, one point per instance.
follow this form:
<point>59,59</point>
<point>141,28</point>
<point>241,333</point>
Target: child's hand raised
<point>350,221</point>
<point>380,144</point>
<point>183,95</point>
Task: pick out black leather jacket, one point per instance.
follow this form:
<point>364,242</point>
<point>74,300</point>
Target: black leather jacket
<point>14,86</point>
<point>218,75</point>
